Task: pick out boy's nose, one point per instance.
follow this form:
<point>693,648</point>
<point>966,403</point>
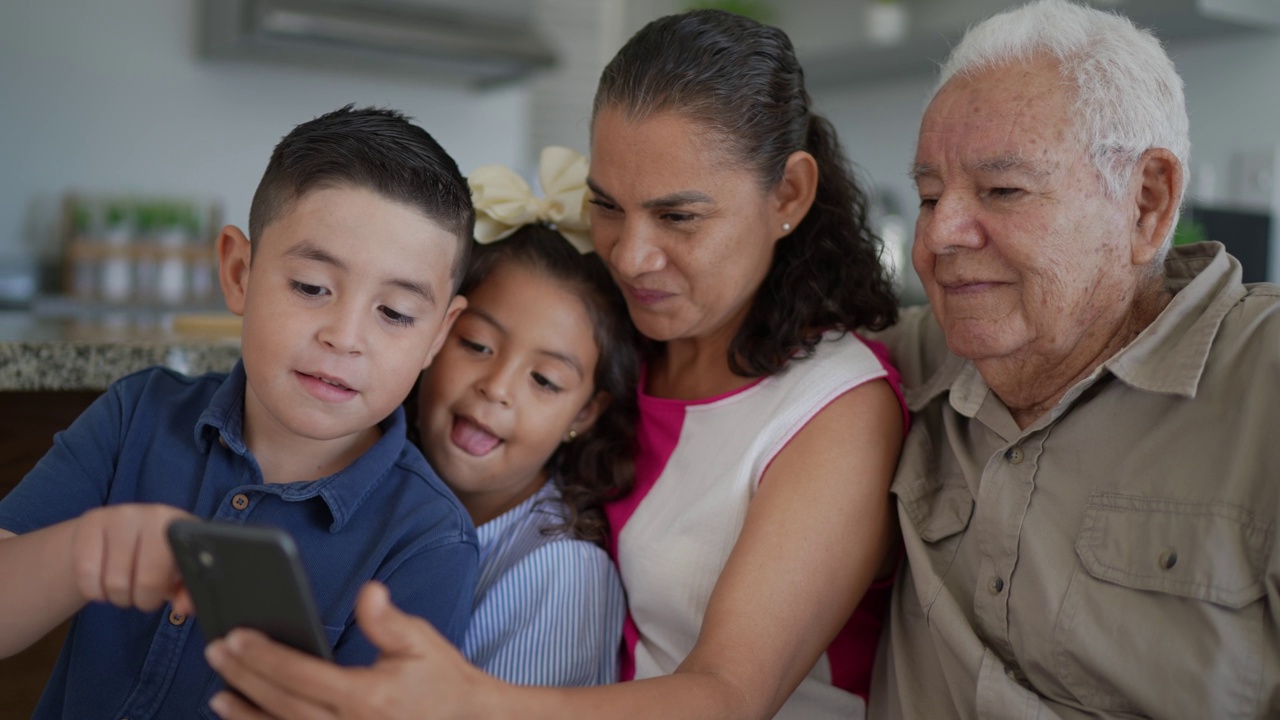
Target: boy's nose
<point>343,331</point>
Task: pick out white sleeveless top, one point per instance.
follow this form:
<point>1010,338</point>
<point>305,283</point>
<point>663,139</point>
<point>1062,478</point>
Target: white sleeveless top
<point>698,466</point>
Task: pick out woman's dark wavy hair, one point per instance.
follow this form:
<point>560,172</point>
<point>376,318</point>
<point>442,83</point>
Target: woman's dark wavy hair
<point>740,80</point>
<point>599,464</point>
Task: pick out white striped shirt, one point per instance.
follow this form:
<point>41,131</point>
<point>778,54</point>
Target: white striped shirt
<point>549,607</point>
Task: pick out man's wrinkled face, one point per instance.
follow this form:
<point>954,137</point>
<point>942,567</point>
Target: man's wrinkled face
<point>1018,246</point>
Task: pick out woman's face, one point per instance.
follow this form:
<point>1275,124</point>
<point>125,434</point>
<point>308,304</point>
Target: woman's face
<point>687,235</point>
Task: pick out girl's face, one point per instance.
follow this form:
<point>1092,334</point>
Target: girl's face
<point>687,236</point>
<point>513,378</point>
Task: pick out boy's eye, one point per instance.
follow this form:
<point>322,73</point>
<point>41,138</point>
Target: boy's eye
<point>307,290</point>
<point>396,318</point>
<point>545,383</point>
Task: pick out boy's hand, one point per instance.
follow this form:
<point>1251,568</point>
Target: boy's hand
<point>120,555</point>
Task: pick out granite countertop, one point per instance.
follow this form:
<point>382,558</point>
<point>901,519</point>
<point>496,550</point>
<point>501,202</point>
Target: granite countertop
<point>87,353</point>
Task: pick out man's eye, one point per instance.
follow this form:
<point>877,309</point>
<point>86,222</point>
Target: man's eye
<point>1004,192</point>
<point>396,318</point>
<point>603,204</point>
<point>678,218</point>
<point>307,290</point>
<point>928,203</point>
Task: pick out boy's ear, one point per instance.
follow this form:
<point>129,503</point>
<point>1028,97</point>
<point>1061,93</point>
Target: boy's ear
<point>587,416</point>
<point>456,306</point>
<point>234,255</point>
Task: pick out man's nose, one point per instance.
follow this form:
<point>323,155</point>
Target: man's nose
<point>950,224</point>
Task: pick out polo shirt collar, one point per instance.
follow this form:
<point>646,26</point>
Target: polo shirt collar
<point>1167,357</point>
<point>344,491</point>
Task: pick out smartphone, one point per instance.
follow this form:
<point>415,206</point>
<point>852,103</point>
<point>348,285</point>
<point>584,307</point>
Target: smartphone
<point>248,576</point>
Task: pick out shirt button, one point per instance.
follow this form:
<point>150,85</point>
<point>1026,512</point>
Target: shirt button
<point>176,618</point>
<point>1014,455</point>
<point>240,501</point>
<point>996,585</point>
<point>1168,559</point>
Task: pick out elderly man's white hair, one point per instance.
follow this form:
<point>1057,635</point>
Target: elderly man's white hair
<point>1129,96</point>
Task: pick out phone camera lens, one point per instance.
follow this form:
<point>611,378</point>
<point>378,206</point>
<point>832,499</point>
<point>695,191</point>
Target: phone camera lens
<point>206,558</point>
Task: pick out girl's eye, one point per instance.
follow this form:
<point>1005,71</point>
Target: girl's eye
<point>473,346</point>
<point>545,383</point>
<point>311,291</point>
<point>396,318</point>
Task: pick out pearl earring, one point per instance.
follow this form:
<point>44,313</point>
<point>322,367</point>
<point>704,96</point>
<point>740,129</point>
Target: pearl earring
<point>786,227</point>
<point>571,436</point>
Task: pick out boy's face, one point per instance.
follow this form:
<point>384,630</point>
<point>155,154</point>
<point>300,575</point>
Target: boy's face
<point>345,300</point>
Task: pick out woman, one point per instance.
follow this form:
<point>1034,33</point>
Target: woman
<point>768,433</point>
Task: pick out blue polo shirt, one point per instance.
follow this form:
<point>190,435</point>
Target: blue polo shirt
<point>160,437</point>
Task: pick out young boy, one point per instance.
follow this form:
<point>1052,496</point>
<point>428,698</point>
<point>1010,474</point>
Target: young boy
<point>357,241</point>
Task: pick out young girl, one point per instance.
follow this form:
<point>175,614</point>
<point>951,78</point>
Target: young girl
<point>527,413</point>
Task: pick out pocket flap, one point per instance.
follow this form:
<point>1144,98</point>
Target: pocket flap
<point>1206,551</point>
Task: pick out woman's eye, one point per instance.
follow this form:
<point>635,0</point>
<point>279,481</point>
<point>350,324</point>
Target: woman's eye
<point>307,290</point>
<point>396,318</point>
<point>545,383</point>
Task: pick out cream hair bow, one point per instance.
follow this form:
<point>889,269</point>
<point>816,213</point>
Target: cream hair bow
<point>504,202</point>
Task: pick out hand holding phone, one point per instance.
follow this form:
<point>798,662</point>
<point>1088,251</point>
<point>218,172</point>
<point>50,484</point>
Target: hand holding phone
<point>248,576</point>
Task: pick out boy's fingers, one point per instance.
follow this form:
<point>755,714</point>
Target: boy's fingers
<point>120,559</point>
<point>393,632</point>
<point>88,550</point>
<point>155,574</point>
<point>278,679</point>
<point>182,602</point>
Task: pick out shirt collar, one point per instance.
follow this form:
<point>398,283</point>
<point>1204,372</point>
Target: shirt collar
<point>1167,357</point>
<point>545,500</point>
<point>344,491</point>
<point>1170,354</point>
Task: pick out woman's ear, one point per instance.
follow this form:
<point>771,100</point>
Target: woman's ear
<point>795,192</point>
<point>234,256</point>
<point>587,416</point>
<point>1159,180</point>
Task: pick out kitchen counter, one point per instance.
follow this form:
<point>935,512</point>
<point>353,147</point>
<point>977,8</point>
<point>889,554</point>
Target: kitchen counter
<point>40,353</point>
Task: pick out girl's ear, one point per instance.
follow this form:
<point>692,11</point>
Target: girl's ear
<point>234,256</point>
<point>590,412</point>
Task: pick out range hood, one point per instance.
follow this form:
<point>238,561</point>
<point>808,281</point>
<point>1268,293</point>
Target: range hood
<point>444,43</point>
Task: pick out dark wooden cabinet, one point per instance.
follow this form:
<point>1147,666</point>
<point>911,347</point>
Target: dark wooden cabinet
<point>28,421</point>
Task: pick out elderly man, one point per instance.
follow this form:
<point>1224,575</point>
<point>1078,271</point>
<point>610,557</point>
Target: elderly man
<point>1089,491</point>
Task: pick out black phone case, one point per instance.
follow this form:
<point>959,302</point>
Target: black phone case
<point>248,576</point>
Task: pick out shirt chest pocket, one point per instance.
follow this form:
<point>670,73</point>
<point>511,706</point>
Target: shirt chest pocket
<point>1162,615</point>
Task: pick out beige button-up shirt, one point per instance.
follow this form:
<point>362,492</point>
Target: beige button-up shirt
<point>1118,558</point>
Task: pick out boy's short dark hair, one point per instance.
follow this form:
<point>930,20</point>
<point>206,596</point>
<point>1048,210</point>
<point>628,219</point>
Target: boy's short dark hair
<point>375,149</point>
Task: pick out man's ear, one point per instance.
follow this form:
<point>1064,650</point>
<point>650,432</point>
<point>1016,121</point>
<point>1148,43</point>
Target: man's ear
<point>456,306</point>
<point>795,192</point>
<point>587,416</point>
<point>234,257</point>
<point>1159,178</point>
